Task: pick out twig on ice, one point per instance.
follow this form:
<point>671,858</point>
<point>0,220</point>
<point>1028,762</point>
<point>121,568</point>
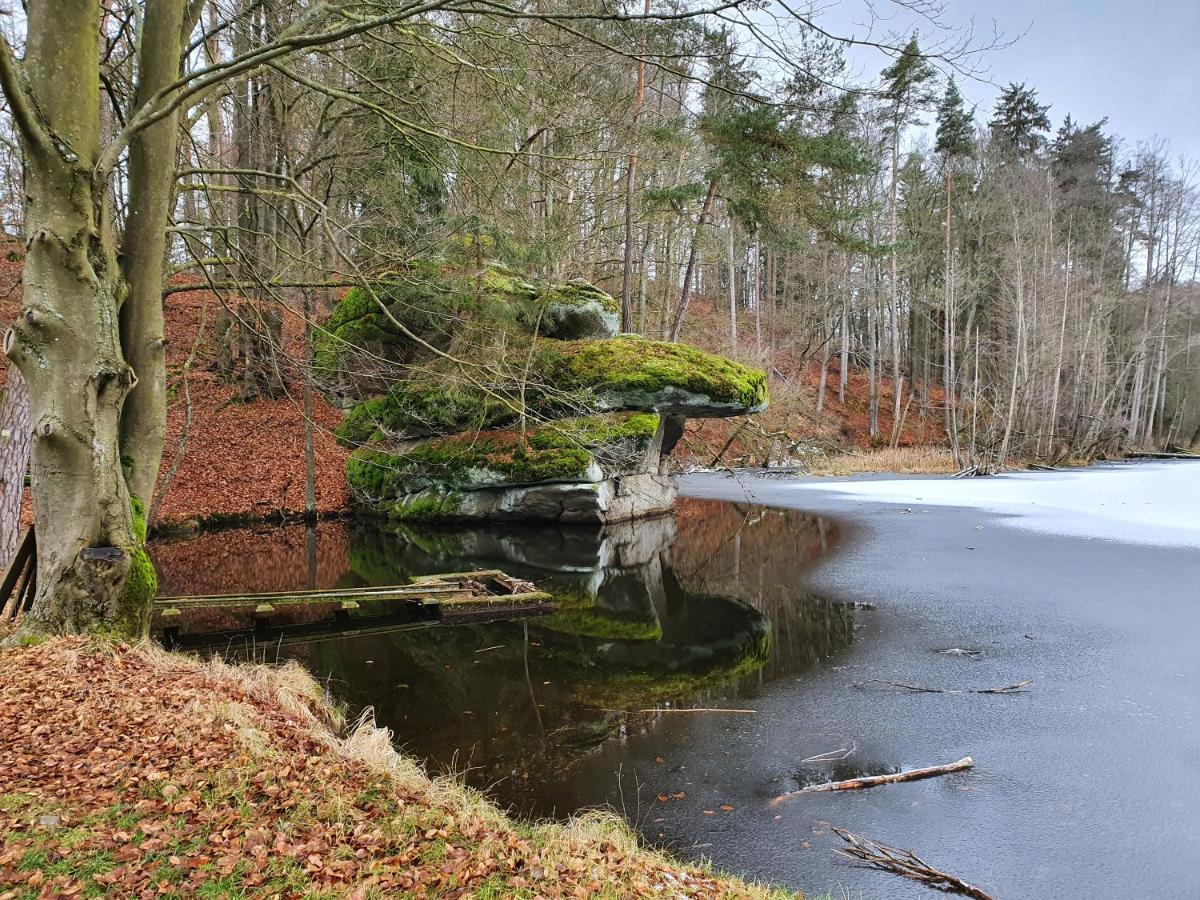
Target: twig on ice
<point>833,755</point>
<point>904,863</point>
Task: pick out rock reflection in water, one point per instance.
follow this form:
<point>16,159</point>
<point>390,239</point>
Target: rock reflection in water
<point>699,609</point>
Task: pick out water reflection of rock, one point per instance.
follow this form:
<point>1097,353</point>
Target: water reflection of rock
<point>618,599</point>
<point>508,699</point>
<point>699,609</point>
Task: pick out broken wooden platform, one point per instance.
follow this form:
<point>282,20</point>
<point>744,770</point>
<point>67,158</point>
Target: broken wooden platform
<point>449,598</point>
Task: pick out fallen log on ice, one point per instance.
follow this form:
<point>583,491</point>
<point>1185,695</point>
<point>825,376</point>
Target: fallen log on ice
<point>868,781</point>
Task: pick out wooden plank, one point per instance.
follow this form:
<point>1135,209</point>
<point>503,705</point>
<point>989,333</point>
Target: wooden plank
<point>431,597</point>
<point>10,604</point>
<point>454,576</point>
<point>318,596</point>
<point>353,596</point>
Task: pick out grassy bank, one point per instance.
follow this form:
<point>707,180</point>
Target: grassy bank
<point>130,771</point>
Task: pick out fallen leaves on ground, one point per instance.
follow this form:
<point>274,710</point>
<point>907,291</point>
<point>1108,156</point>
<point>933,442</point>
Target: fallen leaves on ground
<point>131,772</point>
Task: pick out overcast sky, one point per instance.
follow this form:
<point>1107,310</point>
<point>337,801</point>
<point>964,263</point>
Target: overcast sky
<point>1135,61</point>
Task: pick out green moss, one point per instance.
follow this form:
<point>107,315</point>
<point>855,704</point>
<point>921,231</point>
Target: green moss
<point>588,622</point>
<point>595,432</point>
<point>420,409</point>
<point>578,292</point>
<point>140,528</point>
<point>576,613</point>
<point>426,506</point>
<point>631,690</point>
<point>563,450</point>
<point>502,453</point>
<point>141,584</point>
<point>634,365</point>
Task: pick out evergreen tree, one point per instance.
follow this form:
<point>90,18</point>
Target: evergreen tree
<point>955,126</point>
<point>1081,161</point>
<point>905,86</point>
<point>1019,123</point>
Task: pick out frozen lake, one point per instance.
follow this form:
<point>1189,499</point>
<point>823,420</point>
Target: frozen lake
<point>1144,503</point>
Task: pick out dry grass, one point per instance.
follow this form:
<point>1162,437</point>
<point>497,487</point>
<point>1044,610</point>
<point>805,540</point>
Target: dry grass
<point>900,460</point>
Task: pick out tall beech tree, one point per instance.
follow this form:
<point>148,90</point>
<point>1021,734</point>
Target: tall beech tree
<point>89,338</point>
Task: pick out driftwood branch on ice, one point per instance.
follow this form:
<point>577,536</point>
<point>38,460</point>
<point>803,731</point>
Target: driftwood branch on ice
<point>904,863</point>
<point>868,781</point>
<point>1018,688</point>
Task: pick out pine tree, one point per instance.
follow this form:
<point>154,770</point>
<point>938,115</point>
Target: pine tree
<point>905,86</point>
<point>955,125</point>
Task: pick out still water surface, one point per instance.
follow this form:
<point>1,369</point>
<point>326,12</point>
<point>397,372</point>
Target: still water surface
<point>701,609</point>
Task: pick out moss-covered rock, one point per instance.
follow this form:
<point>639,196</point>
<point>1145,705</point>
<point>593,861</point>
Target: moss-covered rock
<point>413,409</point>
<point>577,310</point>
<point>576,450</point>
<point>430,304</point>
<point>631,372</point>
<point>454,351</point>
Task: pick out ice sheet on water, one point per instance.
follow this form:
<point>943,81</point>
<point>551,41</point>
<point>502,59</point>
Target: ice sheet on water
<point>1152,503</point>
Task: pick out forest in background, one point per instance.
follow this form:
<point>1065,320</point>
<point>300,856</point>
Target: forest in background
<point>1022,286</point>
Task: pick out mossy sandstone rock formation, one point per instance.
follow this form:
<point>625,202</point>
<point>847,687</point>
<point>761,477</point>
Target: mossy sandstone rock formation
<point>479,394</point>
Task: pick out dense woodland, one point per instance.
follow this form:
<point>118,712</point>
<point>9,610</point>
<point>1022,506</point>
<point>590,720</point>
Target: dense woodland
<point>728,172</point>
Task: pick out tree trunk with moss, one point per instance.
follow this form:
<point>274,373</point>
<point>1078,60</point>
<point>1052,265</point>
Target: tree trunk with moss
<point>93,572</point>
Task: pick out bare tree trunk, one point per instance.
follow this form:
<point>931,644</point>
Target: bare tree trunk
<point>310,458</point>
<point>152,157</point>
<point>646,243</point>
<point>732,273</point>
<point>949,377</point>
<point>844,354</point>
<point>894,293</point>
<point>757,294</point>
<point>873,367</point>
<point>685,295</point>
<point>630,176</point>
<point>1011,414</point>
<point>15,440</point>
<point>824,376</point>
<point>1062,339</point>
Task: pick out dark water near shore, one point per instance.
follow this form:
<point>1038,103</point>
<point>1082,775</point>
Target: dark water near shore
<point>701,609</point>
